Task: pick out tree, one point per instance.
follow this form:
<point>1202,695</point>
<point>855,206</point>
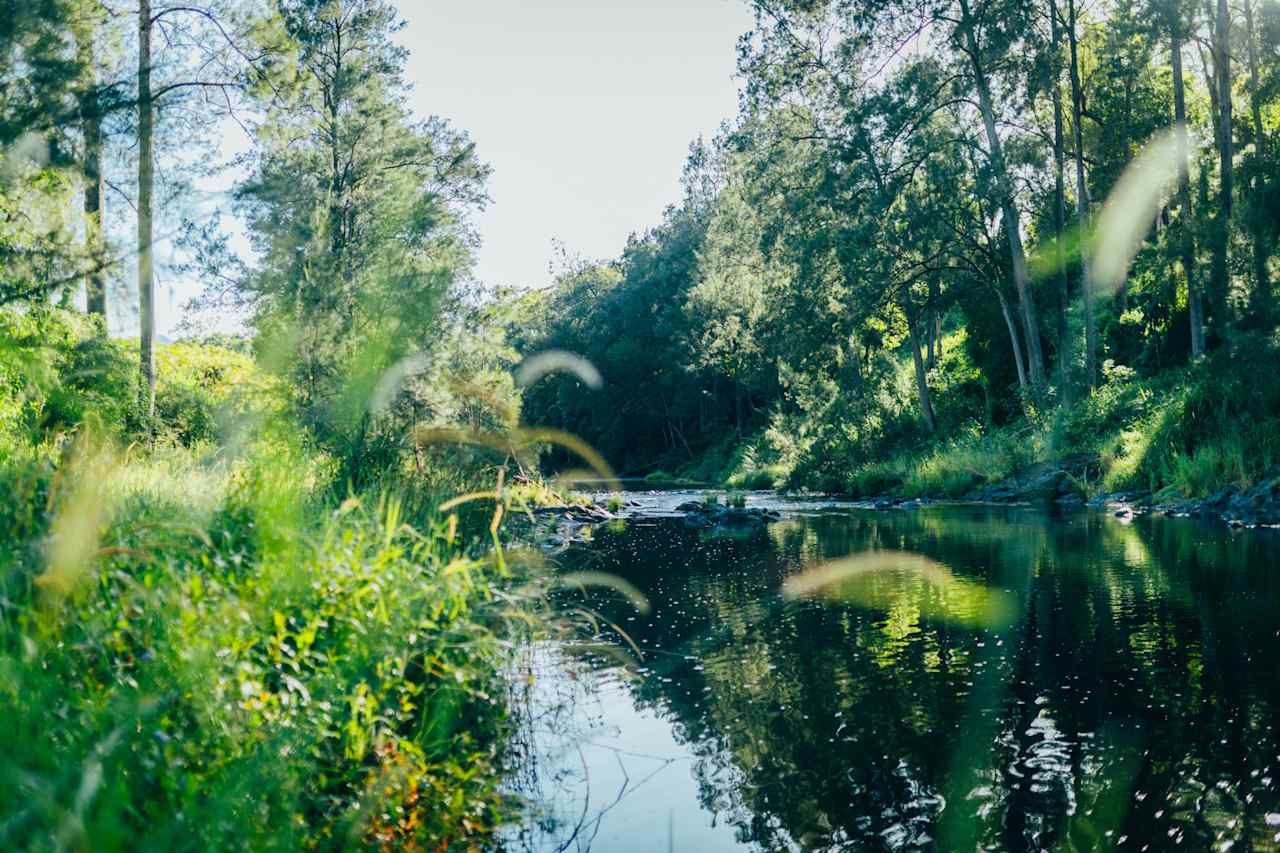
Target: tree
<point>146,188</point>
<point>967,26</point>
<point>1186,226</point>
<point>357,209</point>
<point>88,30</point>
<point>1082,200</point>
<point>1219,273</point>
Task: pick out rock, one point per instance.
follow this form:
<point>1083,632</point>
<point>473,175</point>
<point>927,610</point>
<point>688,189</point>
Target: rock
<point>693,506</point>
<point>1221,498</point>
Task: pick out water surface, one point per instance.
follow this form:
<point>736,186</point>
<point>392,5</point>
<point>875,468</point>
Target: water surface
<point>1124,694</point>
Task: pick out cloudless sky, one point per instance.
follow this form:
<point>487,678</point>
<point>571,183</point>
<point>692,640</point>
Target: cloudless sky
<point>585,110</point>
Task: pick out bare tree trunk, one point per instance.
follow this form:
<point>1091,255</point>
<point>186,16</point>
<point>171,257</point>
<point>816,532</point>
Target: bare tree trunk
<point>95,284</point>
<point>1013,340</point>
<point>922,380</point>
<point>1187,244</point>
<point>1009,207</point>
<point>1065,356</point>
<point>146,186</point>
<point>1082,203</point>
<point>1219,276</point>
<point>1262,296</point>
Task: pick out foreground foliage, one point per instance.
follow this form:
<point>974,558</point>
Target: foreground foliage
<point>201,646</point>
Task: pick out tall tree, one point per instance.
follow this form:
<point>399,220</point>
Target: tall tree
<point>1082,199</point>
<point>1262,297</point>
<point>1065,348</point>
<point>1186,229</point>
<point>88,31</point>
<point>1012,217</point>
<point>358,210</point>
<point>146,225</point>
<point>1219,273</point>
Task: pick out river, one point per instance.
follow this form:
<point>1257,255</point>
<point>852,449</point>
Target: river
<point>963,677</point>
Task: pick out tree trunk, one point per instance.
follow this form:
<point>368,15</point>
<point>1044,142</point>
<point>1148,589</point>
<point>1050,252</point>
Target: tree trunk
<point>95,283</point>
<point>922,380</point>
<point>1082,203</point>
<point>1065,356</point>
<point>1009,207</point>
<point>1218,274</point>
<point>1013,340</point>
<point>146,185</point>
<point>1187,244</point>
<point>933,324</point>
<point>1262,296</point>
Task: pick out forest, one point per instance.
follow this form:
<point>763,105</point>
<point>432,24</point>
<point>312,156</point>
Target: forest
<point>265,589</point>
<point>888,273</point>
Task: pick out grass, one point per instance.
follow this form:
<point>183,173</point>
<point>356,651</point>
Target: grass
<point>947,470</point>
<point>213,630</point>
<point>1187,431</point>
<point>1210,467</point>
<point>214,645</point>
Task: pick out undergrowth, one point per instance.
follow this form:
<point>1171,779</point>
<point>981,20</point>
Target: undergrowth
<point>205,643</point>
<point>1186,431</point>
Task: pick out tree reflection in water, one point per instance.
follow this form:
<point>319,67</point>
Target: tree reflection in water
<point>1130,698</point>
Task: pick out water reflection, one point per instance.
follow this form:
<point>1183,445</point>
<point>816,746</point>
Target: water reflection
<point>1130,698</point>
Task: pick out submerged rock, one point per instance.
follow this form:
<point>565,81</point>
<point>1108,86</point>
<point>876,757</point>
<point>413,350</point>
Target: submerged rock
<point>701,515</point>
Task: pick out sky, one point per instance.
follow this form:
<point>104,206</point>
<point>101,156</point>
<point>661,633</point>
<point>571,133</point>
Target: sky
<point>584,109</point>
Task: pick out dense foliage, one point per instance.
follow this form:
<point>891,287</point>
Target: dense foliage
<point>232,615</point>
<point>900,250</point>
<point>943,240</point>
<point>201,645</point>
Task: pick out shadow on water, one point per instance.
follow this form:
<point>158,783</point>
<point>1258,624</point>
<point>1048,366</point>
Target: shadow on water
<point>1132,698</point>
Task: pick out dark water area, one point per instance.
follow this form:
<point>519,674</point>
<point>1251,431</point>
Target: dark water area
<point>999,679</point>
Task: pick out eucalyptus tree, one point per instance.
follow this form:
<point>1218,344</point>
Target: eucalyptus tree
<point>45,74</point>
<point>358,210</point>
<point>1217,65</point>
<point>850,46</point>
<point>211,53</point>
<point>1256,178</point>
<point>1082,197</point>
<point>1171,16</point>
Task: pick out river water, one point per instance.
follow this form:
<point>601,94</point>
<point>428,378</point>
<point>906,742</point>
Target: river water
<point>958,677</point>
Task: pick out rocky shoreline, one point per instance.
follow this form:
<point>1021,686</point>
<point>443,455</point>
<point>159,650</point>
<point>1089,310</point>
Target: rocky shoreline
<point>1061,484</point>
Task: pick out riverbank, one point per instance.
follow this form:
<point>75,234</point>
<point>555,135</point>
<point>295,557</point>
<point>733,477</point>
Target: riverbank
<point>207,641</point>
<point>1200,440</point>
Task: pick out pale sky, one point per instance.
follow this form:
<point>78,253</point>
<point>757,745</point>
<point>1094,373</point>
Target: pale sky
<point>585,110</point>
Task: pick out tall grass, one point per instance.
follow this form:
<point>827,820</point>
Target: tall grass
<point>212,645</point>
